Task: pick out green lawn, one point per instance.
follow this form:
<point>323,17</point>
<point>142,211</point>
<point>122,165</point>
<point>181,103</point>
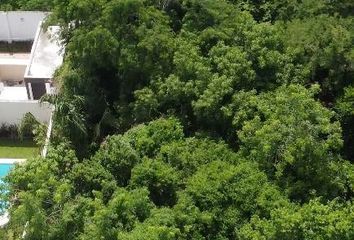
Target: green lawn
<point>17,149</point>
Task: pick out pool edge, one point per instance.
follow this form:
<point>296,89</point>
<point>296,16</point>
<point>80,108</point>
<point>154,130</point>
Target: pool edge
<point>12,160</point>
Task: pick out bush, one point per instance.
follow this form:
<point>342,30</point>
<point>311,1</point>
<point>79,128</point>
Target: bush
<point>8,131</point>
<point>27,126</point>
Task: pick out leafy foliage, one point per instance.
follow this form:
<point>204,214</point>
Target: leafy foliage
<point>290,134</point>
<point>194,119</point>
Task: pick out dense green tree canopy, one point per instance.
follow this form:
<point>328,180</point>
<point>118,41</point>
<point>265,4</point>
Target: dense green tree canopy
<point>290,134</point>
<point>194,119</point>
<point>190,188</point>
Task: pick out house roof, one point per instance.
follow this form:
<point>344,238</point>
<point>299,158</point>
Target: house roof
<point>19,25</point>
<point>46,54</point>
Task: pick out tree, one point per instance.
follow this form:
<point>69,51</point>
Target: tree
<point>194,119</point>
<point>345,108</point>
<point>39,5</point>
<point>148,139</point>
<point>118,157</point>
<point>323,46</point>
<point>188,155</point>
<point>233,194</point>
<point>69,119</point>
<point>294,139</point>
<point>311,221</point>
<point>122,212</point>
<point>159,178</point>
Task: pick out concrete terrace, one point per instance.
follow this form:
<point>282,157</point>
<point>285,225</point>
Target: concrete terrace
<point>14,94</point>
<point>46,49</point>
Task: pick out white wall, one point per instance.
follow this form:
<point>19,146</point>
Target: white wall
<point>12,112</point>
<point>12,72</point>
<point>19,25</point>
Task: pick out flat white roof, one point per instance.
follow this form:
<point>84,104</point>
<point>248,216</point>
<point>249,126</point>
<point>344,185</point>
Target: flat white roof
<point>14,93</point>
<point>46,54</point>
<point>19,25</point>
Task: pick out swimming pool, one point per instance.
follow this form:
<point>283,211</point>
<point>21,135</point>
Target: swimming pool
<point>4,169</point>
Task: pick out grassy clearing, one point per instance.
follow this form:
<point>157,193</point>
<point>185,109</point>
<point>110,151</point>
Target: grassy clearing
<point>18,149</point>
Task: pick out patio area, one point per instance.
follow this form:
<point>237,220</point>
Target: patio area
<point>13,93</point>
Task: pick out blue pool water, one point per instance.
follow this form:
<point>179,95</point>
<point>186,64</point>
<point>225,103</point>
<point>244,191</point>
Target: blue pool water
<point>4,169</point>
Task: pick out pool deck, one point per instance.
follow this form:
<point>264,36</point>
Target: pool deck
<point>11,160</point>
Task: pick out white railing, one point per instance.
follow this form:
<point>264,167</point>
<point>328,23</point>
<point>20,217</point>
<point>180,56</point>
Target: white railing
<point>48,134</point>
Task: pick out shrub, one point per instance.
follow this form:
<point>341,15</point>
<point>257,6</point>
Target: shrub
<point>8,131</point>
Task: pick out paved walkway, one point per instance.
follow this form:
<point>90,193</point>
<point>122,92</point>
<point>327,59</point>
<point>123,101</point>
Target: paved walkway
<point>11,160</point>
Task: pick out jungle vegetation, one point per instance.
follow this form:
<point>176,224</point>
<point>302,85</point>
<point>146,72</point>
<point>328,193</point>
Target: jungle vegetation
<point>195,119</point>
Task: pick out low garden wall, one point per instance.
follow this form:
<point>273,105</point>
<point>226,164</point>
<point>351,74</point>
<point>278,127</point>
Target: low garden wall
<point>12,112</point>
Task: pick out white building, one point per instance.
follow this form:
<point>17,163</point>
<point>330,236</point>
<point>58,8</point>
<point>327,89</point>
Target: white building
<point>26,76</point>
